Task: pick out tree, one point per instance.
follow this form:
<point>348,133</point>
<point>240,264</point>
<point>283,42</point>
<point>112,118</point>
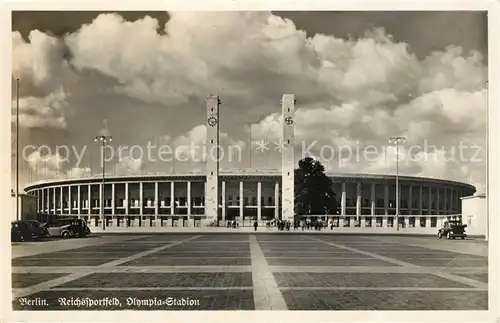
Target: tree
<point>313,190</point>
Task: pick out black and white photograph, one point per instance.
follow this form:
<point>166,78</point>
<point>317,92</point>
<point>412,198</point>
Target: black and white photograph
<point>249,160</point>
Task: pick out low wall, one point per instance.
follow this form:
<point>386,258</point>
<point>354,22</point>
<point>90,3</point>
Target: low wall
<point>368,231</point>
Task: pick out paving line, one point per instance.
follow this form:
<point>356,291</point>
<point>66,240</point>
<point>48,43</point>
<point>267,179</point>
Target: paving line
<point>412,289</point>
<point>65,258</point>
<point>64,245</point>
<point>198,257</point>
<point>148,252</point>
<point>117,289</point>
<point>442,274</point>
<point>378,269</point>
<point>266,293</point>
<point>237,268</point>
<point>22,292</point>
<point>438,246</point>
<point>131,269</point>
<point>316,258</point>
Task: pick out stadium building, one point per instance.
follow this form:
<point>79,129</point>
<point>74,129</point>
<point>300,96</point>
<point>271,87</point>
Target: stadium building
<point>245,195</point>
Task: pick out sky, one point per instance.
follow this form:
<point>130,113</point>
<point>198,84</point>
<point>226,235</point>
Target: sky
<point>359,78</point>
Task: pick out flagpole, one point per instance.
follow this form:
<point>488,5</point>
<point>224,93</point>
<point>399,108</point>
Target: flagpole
<point>17,148</point>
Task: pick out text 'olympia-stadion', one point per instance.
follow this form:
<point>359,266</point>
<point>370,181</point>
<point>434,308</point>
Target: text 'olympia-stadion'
<point>246,195</point>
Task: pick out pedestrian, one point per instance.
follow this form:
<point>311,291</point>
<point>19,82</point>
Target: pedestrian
<point>255,225</point>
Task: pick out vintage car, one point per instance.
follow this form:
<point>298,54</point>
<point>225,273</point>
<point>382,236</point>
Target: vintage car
<point>27,230</point>
<point>452,230</point>
<point>68,228</point>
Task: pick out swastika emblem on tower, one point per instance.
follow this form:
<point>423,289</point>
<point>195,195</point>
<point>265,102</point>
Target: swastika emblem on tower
<point>288,120</point>
<point>212,121</point>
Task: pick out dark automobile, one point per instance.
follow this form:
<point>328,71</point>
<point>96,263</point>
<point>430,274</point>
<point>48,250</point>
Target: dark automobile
<point>68,228</point>
<point>452,230</point>
<point>27,230</point>
<point>39,229</point>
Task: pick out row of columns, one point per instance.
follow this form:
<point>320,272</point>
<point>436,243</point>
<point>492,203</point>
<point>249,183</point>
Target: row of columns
<point>44,205</point>
<point>383,221</point>
<point>44,199</point>
<point>447,199</point>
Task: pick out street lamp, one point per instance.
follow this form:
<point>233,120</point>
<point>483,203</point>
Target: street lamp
<point>103,141</point>
<point>396,141</point>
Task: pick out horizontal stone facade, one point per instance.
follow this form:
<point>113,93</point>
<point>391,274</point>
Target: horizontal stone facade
<point>180,200</point>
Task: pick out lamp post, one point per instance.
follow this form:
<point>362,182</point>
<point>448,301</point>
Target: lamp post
<point>396,141</point>
<point>17,149</point>
<point>103,141</point>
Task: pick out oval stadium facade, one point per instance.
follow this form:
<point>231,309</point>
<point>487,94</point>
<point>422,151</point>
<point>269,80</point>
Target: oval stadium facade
<point>178,200</point>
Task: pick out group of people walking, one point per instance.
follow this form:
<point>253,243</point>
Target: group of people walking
<point>232,224</point>
<point>287,225</point>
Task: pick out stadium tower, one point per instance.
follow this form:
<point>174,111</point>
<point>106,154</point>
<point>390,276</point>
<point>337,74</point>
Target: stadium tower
<point>287,157</point>
<point>212,161</point>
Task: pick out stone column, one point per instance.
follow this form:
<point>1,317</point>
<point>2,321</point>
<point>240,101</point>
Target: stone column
<point>223,206</point>
<point>43,200</point>
<point>89,199</point>
<point>141,199</point>
<point>358,199</point>
<point>241,201</point>
<point>70,201</point>
<point>61,199</point>
<point>113,199</point>
<point>276,199</point>
<point>101,202</point>
<point>157,202</point>
<point>343,199</point>
<point>386,199</point>
<point>188,185</point>
<point>373,200</point>
<point>428,221</point>
<point>54,200</point>
<point>79,200</point>
<point>172,198</point>
<point>259,201</point>
<point>125,203</point>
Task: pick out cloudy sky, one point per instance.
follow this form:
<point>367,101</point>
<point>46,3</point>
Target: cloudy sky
<point>359,78</point>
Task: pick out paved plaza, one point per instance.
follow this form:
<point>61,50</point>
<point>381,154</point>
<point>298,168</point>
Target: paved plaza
<point>251,272</point>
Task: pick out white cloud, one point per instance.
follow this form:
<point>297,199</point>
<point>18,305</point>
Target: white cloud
<point>37,112</point>
<point>128,165</point>
<point>350,93</point>
<point>47,166</point>
<point>78,172</point>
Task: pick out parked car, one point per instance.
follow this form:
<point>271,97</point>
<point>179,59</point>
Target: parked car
<point>28,230</point>
<point>38,228</point>
<point>68,228</point>
<point>452,230</point>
